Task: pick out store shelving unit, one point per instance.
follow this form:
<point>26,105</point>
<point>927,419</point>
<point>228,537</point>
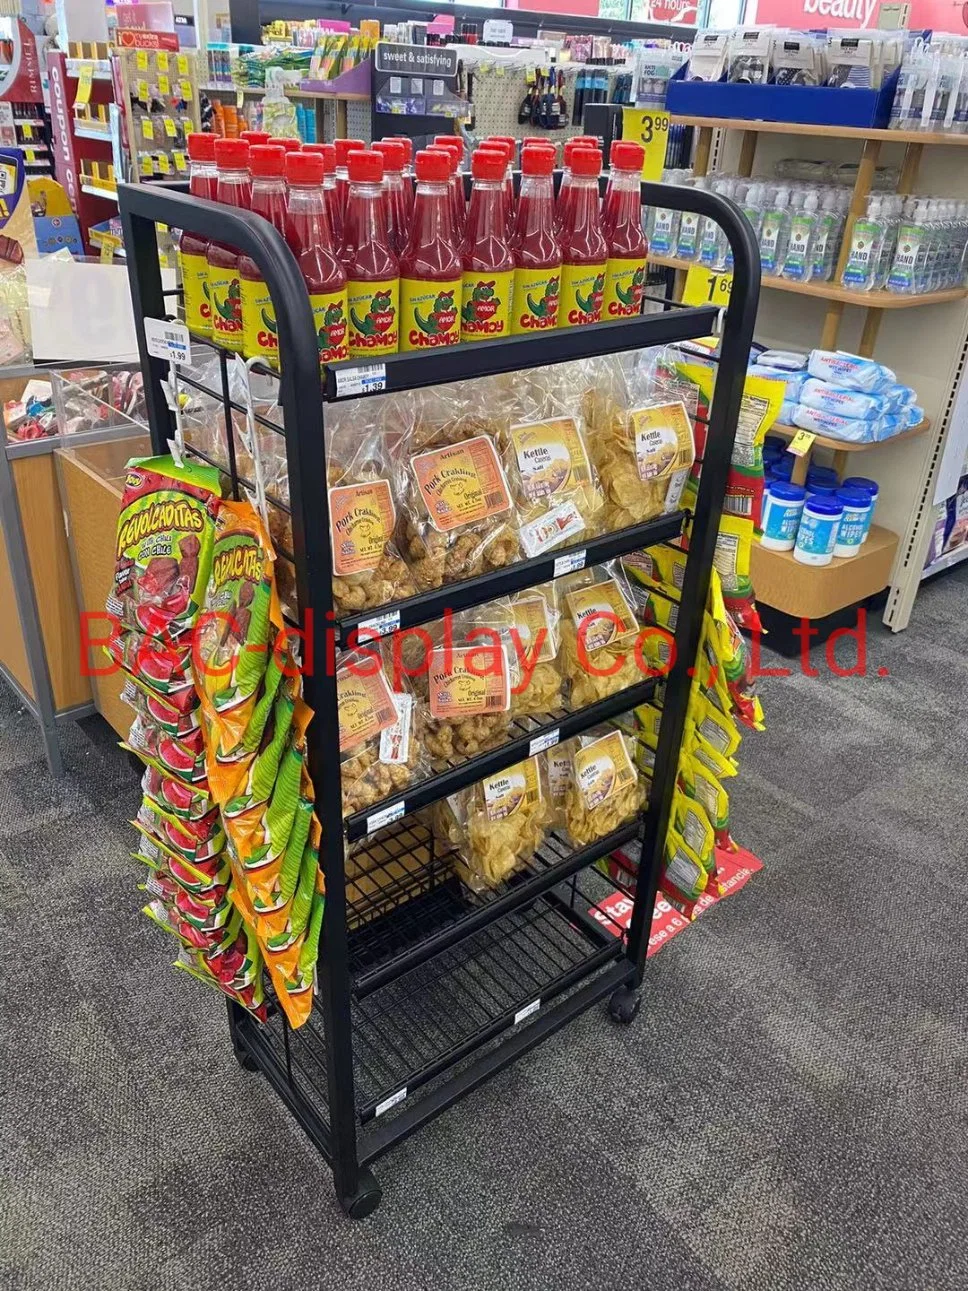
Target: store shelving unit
<point>927,348</point>
<point>426,989</point>
<point>318,97</point>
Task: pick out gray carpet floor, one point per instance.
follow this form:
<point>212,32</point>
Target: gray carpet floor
<point>789,1110</point>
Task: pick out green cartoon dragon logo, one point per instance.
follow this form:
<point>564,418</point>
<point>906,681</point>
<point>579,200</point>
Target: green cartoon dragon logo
<point>442,316</point>
<point>379,318</point>
<point>592,303</point>
<point>481,305</point>
<point>231,308</point>
<point>332,333</point>
<point>268,322</point>
<point>634,294</point>
<point>549,301</point>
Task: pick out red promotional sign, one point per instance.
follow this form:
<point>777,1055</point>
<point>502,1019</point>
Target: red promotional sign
<point>20,78</point>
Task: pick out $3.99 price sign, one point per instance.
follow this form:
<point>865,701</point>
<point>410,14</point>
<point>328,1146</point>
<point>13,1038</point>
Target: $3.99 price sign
<point>650,128</point>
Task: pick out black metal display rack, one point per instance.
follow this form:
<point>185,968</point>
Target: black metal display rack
<point>418,1003</point>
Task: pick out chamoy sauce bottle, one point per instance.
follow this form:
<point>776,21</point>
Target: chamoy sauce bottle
<point>627,247</point>
<point>343,149</point>
<point>430,267</point>
<point>192,250</point>
<point>537,254</point>
<point>267,165</point>
<point>398,217</point>
<point>584,252</point>
<point>328,154</point>
<point>372,267</point>
<point>234,189</point>
<point>488,278</point>
<point>310,239</point>
<point>458,203</point>
<point>580,141</point>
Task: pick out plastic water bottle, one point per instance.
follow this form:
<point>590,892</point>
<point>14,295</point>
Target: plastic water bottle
<point>907,250</point>
<point>687,242</point>
<point>713,244</point>
<point>891,218</point>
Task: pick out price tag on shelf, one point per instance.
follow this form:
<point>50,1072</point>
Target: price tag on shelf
<point>541,743</point>
<point>164,86</point>
<point>180,161</point>
<point>650,128</point>
<point>29,156</point>
<point>368,378</point>
<point>147,166</point>
<point>181,62</point>
<point>161,58</point>
<point>85,80</point>
<point>167,340</point>
<point>185,86</point>
<point>239,99</point>
<point>108,242</point>
<point>141,91</point>
<point>141,60</point>
<point>706,287</point>
<point>380,819</point>
<point>575,560</point>
<point>171,130</point>
<point>801,443</point>
<point>147,129</point>
<point>164,163</point>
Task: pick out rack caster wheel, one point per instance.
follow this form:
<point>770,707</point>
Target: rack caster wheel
<point>624,1005</point>
<point>367,1197</point>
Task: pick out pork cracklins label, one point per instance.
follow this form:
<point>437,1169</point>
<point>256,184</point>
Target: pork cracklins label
<point>469,681</point>
<point>508,791</point>
<point>366,707</point>
<point>603,769</point>
<point>462,484</point>
<point>362,517</point>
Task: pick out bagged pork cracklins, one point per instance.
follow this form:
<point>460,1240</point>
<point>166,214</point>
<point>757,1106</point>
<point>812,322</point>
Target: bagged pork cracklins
<point>604,789</point>
<point>536,616</point>
<point>640,433</point>
<point>599,634</point>
<point>458,516</point>
<point>164,545</point>
<point>368,570</point>
<point>466,681</point>
<point>497,824</point>
<point>380,730</point>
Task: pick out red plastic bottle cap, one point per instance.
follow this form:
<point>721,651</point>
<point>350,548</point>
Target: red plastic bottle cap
<point>537,161</point>
<point>433,165</point>
<point>532,145</point>
<point>365,167</point>
<point>572,144</point>
<point>626,155</point>
<point>393,153</point>
<point>201,147</point>
<point>440,151</point>
<point>324,150</point>
<point>290,145</point>
<point>345,146</point>
<point>267,159</point>
<point>253,137</point>
<point>586,161</point>
<point>231,154</point>
<point>449,141</point>
<point>488,163</point>
<point>305,167</point>
<point>407,144</point>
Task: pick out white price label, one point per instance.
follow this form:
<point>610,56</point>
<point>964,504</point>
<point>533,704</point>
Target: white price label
<point>568,564</point>
<point>541,743</point>
<point>379,819</point>
<point>369,378</point>
<point>167,340</point>
<point>526,1011</point>
<point>380,625</point>
<point>392,1101</point>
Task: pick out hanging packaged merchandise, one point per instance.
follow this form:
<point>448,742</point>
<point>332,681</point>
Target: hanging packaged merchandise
<point>703,785</point>
<point>195,841</point>
<point>165,717</point>
<point>603,789</point>
<point>640,433</point>
<point>156,666</point>
<point>714,726</point>
<point>694,827</point>
<point>368,570</point>
<point>730,651</point>
<point>459,517</point>
<point>683,879</point>
<point>172,796</point>
<point>663,566</point>
<point>599,634</point>
<point>234,967</point>
<point>381,729</point>
<point>271,887</point>
<point>537,644</point>
<point>180,756</point>
<point>497,825</point>
<point>164,548</point>
<point>242,780</point>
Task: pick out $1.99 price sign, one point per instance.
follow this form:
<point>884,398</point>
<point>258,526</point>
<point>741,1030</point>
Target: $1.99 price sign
<point>650,128</point>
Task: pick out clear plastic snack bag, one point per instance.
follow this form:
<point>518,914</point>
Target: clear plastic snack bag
<point>599,634</point>
<point>602,790</point>
<point>537,645</point>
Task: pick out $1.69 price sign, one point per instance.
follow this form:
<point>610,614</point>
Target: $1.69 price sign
<point>650,128</point>
<point>706,287</point>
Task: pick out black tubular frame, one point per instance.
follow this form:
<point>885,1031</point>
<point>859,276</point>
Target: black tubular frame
<point>613,967</point>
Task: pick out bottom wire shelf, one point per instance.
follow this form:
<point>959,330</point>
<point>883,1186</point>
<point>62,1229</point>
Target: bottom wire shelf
<point>431,1021</point>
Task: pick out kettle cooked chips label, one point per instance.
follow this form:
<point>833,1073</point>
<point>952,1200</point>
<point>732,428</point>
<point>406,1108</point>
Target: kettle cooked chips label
<point>663,440</point>
<point>508,791</point>
<point>603,769</point>
<point>551,457</point>
<point>464,683</point>
<point>604,613</point>
<point>532,623</point>
<point>462,484</point>
<point>362,518</point>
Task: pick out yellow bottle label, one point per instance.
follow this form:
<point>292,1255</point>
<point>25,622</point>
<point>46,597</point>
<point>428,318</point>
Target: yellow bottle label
<point>329,315</point>
<point>582,294</point>
<point>534,307</point>
<point>260,340</point>
<point>486,305</point>
<point>225,295</point>
<point>374,317</point>
<point>429,313</point>
<point>198,308</point>
<point>624,285</point>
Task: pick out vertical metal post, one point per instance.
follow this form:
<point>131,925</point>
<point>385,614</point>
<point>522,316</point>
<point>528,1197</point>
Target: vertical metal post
<point>147,297</point>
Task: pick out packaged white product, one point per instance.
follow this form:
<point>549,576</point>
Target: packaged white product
<point>828,423</point>
<point>707,62</point>
<point>845,403</point>
<point>786,360</point>
<point>792,381</point>
<point>750,49</point>
<point>851,61</point>
<point>796,59</point>
<point>911,415</point>
<point>849,371</point>
<point>787,409</point>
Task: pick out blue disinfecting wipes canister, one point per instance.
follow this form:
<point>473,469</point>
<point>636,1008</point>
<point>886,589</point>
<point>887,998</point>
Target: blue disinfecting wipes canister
<point>818,531</point>
<point>784,466</point>
<point>782,509</point>
<point>850,532</point>
<point>822,475</point>
<point>868,486</point>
